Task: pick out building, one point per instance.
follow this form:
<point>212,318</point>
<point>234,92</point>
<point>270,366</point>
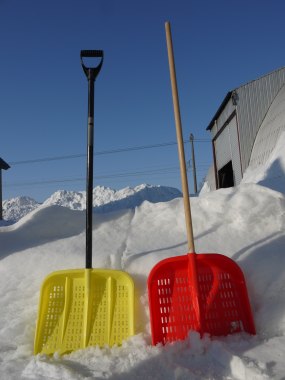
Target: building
<point>241,128</point>
<point>4,166</point>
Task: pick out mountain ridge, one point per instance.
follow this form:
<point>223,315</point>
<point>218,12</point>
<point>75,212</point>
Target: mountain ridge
<point>105,199</point>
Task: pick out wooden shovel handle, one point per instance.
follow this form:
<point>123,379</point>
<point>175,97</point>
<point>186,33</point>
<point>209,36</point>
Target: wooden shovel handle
<point>185,190</point>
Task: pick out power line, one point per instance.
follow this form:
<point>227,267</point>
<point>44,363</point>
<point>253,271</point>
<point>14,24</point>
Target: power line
<point>103,152</point>
<point>46,159</point>
<point>139,173</point>
<point>160,171</point>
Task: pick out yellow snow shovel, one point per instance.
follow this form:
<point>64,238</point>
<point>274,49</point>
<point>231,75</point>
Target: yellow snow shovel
<point>85,307</point>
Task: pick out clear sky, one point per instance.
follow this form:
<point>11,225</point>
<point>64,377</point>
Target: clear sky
<point>218,45</point>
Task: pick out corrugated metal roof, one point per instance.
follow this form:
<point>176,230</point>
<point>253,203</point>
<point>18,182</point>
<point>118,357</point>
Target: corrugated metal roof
<point>229,95</point>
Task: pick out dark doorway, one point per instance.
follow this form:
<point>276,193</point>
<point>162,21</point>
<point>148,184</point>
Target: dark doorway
<point>226,176</point>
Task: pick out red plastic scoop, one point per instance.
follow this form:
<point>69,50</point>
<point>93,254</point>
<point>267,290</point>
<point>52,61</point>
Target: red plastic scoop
<point>219,306</point>
<point>206,292</point>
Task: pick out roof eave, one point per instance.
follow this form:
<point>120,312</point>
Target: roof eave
<point>220,110</point>
<point>4,165</point>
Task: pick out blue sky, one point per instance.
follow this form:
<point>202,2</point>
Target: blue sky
<point>218,46</point>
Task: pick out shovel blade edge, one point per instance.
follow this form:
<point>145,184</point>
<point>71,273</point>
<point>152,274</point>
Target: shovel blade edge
<point>221,306</point>
<point>84,307</point>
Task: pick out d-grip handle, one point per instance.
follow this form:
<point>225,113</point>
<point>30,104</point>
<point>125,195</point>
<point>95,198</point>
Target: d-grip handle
<point>92,72</point>
<point>91,53</point>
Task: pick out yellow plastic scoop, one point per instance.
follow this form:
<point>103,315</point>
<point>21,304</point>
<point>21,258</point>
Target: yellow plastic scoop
<point>81,308</point>
<point>85,307</point>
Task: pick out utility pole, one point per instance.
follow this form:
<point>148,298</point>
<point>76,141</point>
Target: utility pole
<point>193,163</point>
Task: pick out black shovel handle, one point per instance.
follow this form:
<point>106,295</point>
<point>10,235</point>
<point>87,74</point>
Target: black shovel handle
<point>92,72</point>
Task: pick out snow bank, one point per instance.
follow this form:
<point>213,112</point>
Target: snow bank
<point>272,174</point>
<point>40,226</point>
<point>245,223</point>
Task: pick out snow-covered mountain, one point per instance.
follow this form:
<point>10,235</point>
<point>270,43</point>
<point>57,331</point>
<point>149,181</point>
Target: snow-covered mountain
<point>15,208</point>
<point>103,196</point>
<point>104,199</point>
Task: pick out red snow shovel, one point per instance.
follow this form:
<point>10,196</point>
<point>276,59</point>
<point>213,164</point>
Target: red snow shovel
<point>206,292</point>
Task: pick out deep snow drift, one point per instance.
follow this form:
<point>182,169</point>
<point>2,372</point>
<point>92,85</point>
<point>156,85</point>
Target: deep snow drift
<point>245,223</point>
<point>272,173</point>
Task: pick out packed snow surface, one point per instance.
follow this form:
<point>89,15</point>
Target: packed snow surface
<point>272,173</point>
<point>245,223</point>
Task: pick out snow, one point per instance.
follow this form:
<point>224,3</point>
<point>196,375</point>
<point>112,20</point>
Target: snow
<point>272,173</point>
<point>245,223</point>
<point>15,208</point>
<point>104,199</point>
